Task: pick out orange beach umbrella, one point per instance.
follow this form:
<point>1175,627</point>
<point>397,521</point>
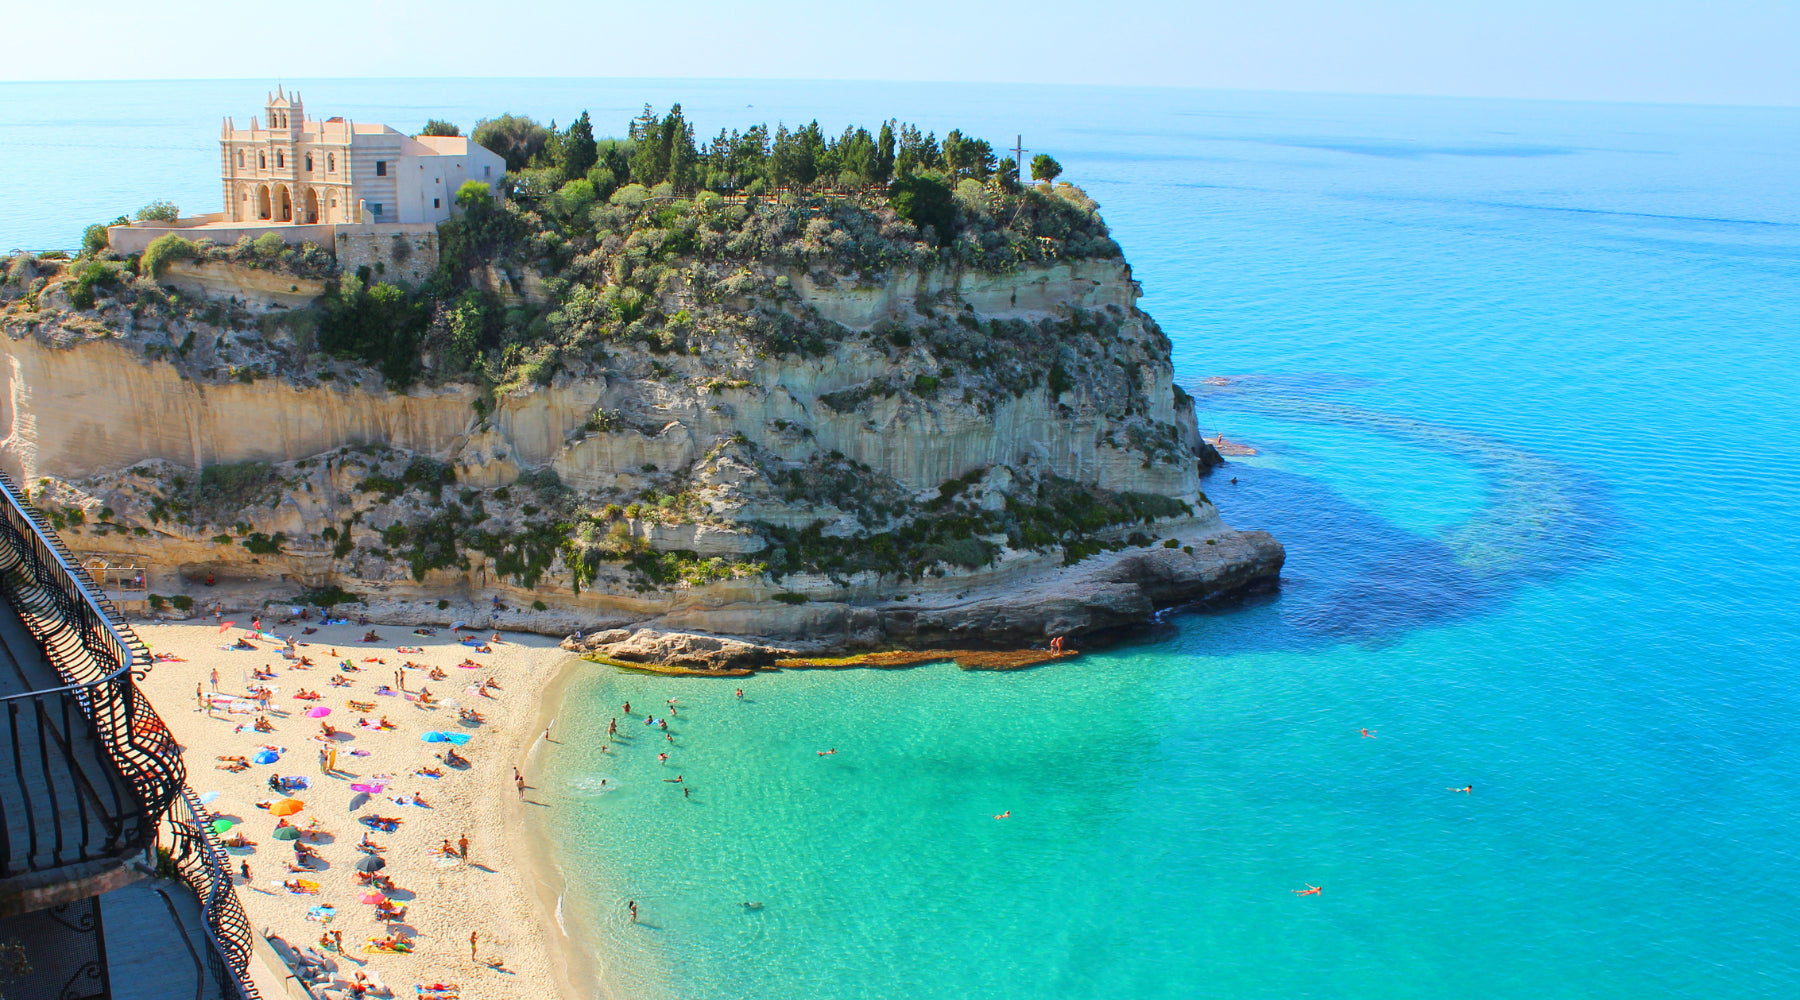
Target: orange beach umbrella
<point>286,807</point>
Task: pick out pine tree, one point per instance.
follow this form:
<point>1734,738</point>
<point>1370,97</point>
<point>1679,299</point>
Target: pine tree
<point>884,153</point>
<point>578,150</point>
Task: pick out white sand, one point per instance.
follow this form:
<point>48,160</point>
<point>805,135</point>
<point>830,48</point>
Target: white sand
<point>493,895</point>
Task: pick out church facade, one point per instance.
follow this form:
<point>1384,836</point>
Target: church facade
<point>287,169</point>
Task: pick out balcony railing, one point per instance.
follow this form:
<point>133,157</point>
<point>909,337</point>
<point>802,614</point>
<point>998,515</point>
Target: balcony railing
<point>200,862</point>
<point>72,741</point>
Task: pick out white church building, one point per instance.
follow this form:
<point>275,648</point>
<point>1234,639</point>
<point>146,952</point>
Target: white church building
<point>304,179</point>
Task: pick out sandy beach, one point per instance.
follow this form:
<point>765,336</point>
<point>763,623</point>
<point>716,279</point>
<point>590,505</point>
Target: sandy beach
<point>493,893</point>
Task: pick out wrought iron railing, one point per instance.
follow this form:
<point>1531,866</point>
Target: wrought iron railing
<point>200,862</point>
<point>62,736</point>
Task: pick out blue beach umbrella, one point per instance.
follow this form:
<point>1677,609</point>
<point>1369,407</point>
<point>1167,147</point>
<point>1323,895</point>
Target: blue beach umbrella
<point>266,757</point>
<point>432,737</point>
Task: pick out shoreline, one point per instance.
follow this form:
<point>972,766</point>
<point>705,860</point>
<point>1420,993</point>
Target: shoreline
<point>495,892</point>
<point>568,964</point>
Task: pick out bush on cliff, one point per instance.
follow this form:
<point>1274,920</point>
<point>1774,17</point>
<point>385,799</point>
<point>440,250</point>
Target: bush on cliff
<point>379,324</point>
<point>159,211</point>
<point>162,250</point>
<point>94,240</point>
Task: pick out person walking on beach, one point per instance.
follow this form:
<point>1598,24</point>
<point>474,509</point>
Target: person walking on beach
<point>462,847</point>
<point>471,946</point>
<point>246,870</point>
<point>215,679</point>
<point>632,906</point>
<point>338,936</point>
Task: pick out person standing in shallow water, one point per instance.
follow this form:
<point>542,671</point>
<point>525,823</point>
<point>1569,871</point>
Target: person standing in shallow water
<point>632,906</point>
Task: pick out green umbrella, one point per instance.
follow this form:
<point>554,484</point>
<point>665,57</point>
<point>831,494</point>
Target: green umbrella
<point>287,833</point>
<point>221,825</point>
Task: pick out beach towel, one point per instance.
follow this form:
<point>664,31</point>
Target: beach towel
<point>335,621</point>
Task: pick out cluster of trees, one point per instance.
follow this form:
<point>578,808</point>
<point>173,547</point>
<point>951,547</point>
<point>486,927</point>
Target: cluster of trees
<point>664,148</point>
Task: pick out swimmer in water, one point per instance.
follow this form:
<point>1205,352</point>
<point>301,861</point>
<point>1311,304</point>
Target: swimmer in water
<point>662,757</point>
<point>674,781</point>
<point>1368,734</point>
<point>751,906</point>
<point>827,753</point>
<point>1466,790</point>
<point>1005,815</point>
<point>1310,890</point>
<point>740,696</point>
<point>628,708</point>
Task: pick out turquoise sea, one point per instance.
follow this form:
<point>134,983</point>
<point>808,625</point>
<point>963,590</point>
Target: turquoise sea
<point>1523,381</point>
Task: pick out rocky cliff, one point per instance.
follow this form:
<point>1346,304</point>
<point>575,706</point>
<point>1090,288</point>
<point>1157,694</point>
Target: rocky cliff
<point>814,454</point>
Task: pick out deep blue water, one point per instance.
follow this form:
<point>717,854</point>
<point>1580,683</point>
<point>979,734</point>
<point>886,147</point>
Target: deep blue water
<point>1523,378</point>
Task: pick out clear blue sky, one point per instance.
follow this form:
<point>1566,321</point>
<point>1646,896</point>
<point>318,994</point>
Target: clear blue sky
<point>1687,51</point>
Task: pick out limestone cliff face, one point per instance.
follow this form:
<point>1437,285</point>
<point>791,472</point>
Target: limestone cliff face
<point>956,424</point>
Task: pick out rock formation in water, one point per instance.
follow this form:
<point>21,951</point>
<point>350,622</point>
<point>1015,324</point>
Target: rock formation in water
<point>803,420</point>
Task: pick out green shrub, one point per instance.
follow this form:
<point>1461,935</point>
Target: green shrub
<point>159,211</point>
<point>265,545</point>
<point>1060,382</point>
<point>1173,543</point>
<point>438,126</point>
<point>221,539</point>
<point>158,602</point>
<point>182,602</point>
<point>164,249</point>
<point>94,240</point>
<point>539,606</point>
<point>93,275</point>
<point>791,598</point>
<point>442,604</point>
<point>924,201</point>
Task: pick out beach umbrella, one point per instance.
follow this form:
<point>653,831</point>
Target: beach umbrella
<point>206,798</point>
<point>287,833</point>
<point>266,757</point>
<point>286,807</point>
<point>223,626</point>
<point>371,789</point>
<point>221,825</point>
<point>371,863</point>
<point>432,737</point>
<point>317,712</point>
<point>371,897</point>
<point>459,624</point>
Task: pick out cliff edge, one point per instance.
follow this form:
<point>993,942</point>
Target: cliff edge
<point>803,421</point>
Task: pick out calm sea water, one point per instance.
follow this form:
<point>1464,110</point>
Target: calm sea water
<point>1523,380</point>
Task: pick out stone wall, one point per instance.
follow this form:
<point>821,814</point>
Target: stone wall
<point>401,255</point>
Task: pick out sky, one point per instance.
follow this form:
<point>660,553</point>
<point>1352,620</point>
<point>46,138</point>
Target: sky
<point>1656,51</point>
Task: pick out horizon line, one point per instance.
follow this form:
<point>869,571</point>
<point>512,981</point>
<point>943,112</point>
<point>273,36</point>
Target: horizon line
<point>1009,84</point>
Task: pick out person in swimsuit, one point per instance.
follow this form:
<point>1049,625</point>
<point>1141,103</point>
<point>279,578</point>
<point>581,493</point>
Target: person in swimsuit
<point>1310,890</point>
<point>1466,790</point>
<point>1005,815</point>
<point>1368,734</point>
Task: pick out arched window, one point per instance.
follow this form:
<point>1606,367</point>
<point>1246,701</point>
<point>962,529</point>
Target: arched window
<point>330,163</point>
<point>262,161</point>
<point>309,163</point>
<point>280,158</point>
<point>240,159</point>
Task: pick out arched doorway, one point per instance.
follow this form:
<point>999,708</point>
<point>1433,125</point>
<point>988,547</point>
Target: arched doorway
<point>284,204</point>
<point>262,201</point>
<point>309,207</point>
